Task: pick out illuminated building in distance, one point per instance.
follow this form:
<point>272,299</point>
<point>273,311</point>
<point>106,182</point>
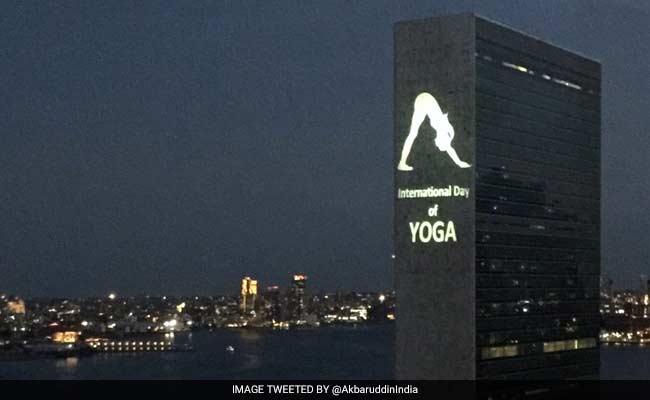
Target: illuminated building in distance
<point>65,337</point>
<point>497,257</point>
<point>248,294</point>
<point>16,306</point>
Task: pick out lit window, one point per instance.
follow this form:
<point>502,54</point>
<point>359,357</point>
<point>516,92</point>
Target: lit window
<point>488,353</point>
<point>573,344</point>
<point>515,66</point>
<point>567,83</point>
<point>499,352</point>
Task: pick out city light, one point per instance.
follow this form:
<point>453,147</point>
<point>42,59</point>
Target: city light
<point>141,324</point>
<point>65,337</point>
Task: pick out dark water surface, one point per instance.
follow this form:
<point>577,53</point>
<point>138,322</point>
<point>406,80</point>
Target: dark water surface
<point>335,353</point>
<point>326,353</point>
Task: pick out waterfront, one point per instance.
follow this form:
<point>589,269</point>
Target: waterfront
<point>338,353</point>
<point>362,352</point>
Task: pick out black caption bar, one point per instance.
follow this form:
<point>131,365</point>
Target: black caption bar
<point>346,389</point>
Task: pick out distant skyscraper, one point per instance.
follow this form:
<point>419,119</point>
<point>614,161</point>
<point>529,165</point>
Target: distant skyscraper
<point>273,304</point>
<point>296,298</point>
<point>606,284</point>
<point>248,294</point>
<point>497,217</point>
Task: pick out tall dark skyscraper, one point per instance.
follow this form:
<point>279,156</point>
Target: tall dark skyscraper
<point>273,304</point>
<point>296,299</point>
<point>497,213</point>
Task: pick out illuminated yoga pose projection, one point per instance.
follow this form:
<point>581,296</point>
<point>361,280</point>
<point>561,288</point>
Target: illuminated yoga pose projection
<point>425,105</point>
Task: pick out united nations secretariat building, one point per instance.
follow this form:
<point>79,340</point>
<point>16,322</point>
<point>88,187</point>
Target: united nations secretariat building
<point>497,279</point>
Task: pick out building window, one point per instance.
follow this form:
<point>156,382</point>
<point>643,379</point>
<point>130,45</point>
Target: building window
<point>489,353</point>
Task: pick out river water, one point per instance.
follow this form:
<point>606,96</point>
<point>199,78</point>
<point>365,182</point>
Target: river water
<point>325,353</point>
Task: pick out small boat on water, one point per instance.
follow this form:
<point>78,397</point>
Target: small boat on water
<point>230,349</point>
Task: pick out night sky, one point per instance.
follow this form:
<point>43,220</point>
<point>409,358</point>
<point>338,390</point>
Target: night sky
<point>160,148</point>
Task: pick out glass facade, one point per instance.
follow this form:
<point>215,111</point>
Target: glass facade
<point>537,208</point>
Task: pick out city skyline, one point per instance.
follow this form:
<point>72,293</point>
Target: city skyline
<point>111,323</point>
<point>171,149</point>
<point>239,289</point>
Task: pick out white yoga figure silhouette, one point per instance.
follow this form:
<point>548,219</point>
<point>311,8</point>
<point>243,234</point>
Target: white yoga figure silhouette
<point>425,105</point>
